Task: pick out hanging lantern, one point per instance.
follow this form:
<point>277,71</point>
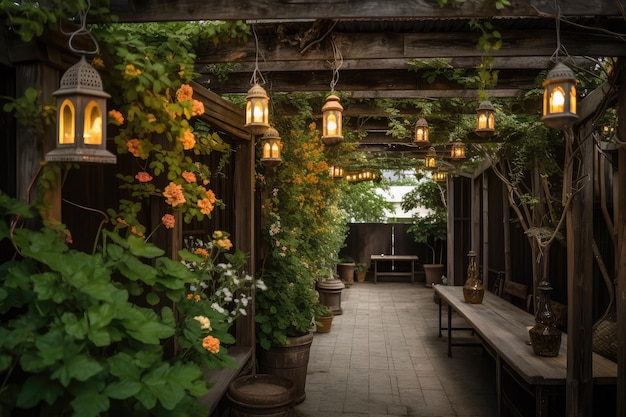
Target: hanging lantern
<point>421,132</point>
<point>485,119</point>
<point>431,158</point>
<point>440,176</point>
<point>270,148</point>
<point>559,98</point>
<point>332,112</point>
<point>257,113</point>
<point>458,150</point>
<point>336,172</point>
<point>81,111</point>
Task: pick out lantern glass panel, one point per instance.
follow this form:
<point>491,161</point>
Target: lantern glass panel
<point>331,124</point>
<point>92,132</point>
<point>66,123</point>
<point>557,100</point>
<point>572,98</point>
<point>275,150</point>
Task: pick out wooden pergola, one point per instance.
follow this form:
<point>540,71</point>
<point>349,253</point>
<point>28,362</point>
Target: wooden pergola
<point>376,40</point>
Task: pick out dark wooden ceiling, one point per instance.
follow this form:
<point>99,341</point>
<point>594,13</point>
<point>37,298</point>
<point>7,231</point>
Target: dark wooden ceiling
<point>377,40</point>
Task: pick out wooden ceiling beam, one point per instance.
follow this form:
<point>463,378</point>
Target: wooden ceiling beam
<point>373,83</point>
<point>391,48</point>
<point>183,10</point>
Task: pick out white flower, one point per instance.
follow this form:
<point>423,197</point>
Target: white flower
<point>248,277</point>
<point>218,308</point>
<point>244,301</point>
<point>243,311</point>
<point>205,323</point>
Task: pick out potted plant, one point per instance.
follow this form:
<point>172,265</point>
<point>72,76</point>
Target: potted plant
<point>324,319</point>
<point>360,270</point>
<point>430,229</point>
<point>345,270</point>
<point>299,215</point>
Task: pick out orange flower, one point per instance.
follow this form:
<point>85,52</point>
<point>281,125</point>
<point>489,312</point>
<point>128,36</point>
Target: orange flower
<point>224,243</point>
<point>143,177</point>
<point>190,296</point>
<point>168,221</point>
<point>131,71</point>
<point>184,93</point>
<point>136,232</point>
<point>188,140</point>
<point>206,207</point>
<point>97,62</point>
<point>197,108</point>
<point>211,344</point>
<point>133,145</point>
<point>202,252</point>
<point>210,195</point>
<point>174,194</point>
<point>117,117</point>
<point>189,176</point>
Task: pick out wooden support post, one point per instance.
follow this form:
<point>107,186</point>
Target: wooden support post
<point>620,227</point>
<point>579,221</point>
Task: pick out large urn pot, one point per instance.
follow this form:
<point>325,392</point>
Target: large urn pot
<point>289,361</point>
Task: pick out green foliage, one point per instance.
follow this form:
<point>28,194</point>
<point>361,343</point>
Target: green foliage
<point>29,112</point>
<point>79,337</point>
<point>362,204</point>
<point>432,228</point>
<point>29,18</point>
<point>304,231</point>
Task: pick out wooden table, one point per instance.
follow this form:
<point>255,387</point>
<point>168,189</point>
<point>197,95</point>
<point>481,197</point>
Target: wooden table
<point>394,258</point>
<point>503,329</point>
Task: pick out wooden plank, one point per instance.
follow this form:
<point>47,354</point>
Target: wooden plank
<point>385,50</point>
<point>579,227</point>
<point>505,328</point>
<point>221,378</point>
<point>181,10</point>
<point>220,113</point>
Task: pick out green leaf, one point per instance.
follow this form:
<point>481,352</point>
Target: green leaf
<point>90,403</point>
<point>79,367</point>
<point>38,388</point>
<point>123,389</point>
<point>152,298</point>
<point>139,247</point>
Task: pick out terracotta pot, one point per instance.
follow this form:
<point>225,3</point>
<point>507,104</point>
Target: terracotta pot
<point>433,273</point>
<point>324,325</point>
<point>346,271</point>
<point>289,361</point>
<point>360,276</point>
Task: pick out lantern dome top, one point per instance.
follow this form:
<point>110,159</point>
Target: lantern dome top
<point>81,78</point>
<point>271,133</point>
<point>332,103</point>
<point>559,72</point>
<point>486,105</point>
<point>257,91</point>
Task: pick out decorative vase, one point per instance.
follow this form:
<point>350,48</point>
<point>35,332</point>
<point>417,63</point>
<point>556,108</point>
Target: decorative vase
<point>290,361</point>
<point>346,272</point>
<point>432,273</point>
<point>545,338</point>
<point>261,395</point>
<point>323,324</point>
<point>330,294</point>
<point>473,290</point>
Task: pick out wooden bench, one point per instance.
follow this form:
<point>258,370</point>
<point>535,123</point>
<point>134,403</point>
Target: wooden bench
<point>220,379</point>
<point>394,258</point>
<point>503,330</point>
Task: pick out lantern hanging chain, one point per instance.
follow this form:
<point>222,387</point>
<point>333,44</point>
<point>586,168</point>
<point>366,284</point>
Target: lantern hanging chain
<point>83,31</point>
<point>337,63</point>
<point>559,46</point>
<point>256,74</point>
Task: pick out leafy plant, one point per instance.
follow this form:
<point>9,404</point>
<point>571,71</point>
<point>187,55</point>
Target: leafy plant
<point>361,267</point>
<point>303,230</point>
<point>95,334</point>
<point>432,228</point>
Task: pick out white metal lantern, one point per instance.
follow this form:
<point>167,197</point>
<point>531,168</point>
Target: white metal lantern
<point>332,126</point>
<point>559,98</point>
<point>270,148</point>
<point>81,117</point>
<point>485,119</point>
<point>421,132</point>
<point>257,110</point>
